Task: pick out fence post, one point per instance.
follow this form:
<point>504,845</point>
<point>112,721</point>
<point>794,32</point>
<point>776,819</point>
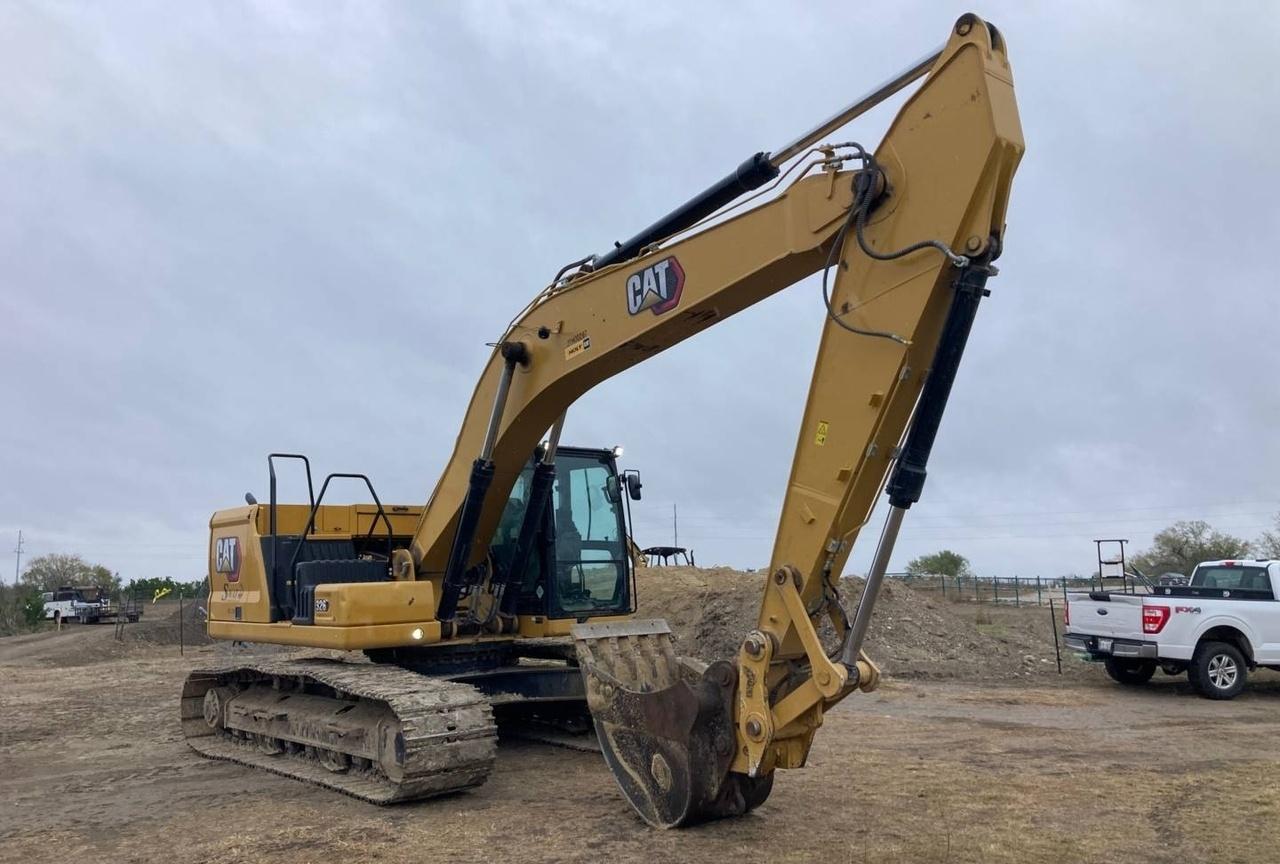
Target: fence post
<point>1064,590</point>
<point>1038,600</point>
<point>995,591</point>
<point>1053,618</point>
<point>182,648</point>
<point>944,587</point>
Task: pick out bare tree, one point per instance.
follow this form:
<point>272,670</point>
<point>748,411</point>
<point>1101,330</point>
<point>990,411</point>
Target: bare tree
<point>1268,545</point>
<point>53,571</point>
<point>1183,545</point>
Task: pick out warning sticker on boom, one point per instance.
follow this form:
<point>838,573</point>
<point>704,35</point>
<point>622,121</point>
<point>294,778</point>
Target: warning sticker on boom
<point>821,437</point>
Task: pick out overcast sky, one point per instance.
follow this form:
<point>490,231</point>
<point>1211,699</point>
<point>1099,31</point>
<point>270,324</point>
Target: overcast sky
<point>233,228</point>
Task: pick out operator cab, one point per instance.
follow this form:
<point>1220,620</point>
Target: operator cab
<point>583,540</point>
<point>582,544</point>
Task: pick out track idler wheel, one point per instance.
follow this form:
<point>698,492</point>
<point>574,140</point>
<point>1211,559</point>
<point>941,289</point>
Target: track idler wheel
<point>665,726</point>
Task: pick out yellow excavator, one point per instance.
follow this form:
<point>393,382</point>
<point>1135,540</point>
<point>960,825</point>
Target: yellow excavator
<point>510,596</point>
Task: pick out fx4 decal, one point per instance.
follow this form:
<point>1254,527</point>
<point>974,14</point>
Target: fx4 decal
<point>656,287</point>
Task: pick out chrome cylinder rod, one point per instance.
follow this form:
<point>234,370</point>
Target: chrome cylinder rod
<point>553,442</point>
<point>860,106</point>
<point>857,633</point>
<point>512,353</point>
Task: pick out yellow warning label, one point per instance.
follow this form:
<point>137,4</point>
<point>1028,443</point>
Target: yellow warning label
<point>578,343</point>
<point>821,437</point>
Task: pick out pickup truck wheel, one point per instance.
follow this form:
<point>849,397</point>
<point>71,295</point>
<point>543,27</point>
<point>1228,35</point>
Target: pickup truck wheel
<point>1130,672</point>
<point>1217,670</point>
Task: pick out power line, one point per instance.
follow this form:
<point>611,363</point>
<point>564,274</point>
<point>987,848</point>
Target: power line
<point>17,564</point>
<point>943,524</point>
<point>1100,513</point>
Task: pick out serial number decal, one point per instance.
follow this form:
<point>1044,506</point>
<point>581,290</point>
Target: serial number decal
<point>578,343</point>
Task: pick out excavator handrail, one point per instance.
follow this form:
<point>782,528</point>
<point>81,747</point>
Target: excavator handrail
<point>315,508</point>
<point>271,511</point>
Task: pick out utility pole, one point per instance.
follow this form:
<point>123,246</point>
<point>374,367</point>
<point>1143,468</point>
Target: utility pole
<point>675,526</point>
<point>17,564</point>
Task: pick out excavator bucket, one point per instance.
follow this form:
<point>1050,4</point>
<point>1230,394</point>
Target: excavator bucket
<point>665,724</point>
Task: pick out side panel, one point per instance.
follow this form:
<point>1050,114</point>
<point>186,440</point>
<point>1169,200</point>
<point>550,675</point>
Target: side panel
<point>1221,614</point>
<point>237,577</point>
<point>365,603</point>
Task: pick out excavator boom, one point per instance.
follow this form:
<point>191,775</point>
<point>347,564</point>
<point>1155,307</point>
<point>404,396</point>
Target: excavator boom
<point>947,162</point>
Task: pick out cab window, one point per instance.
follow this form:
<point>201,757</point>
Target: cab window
<point>1232,578</point>
<point>508,533</point>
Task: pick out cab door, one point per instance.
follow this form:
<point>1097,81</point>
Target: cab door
<point>591,560</point>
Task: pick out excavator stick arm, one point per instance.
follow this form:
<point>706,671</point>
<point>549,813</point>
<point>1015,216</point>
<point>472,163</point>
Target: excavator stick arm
<point>947,163</point>
<point>947,160</point>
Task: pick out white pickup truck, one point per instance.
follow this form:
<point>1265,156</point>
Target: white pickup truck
<point>86,605</point>
<point>1224,622</point>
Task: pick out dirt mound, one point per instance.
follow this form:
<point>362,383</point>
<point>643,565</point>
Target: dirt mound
<point>913,634</point>
<point>84,644</point>
<point>171,625</point>
<point>74,645</point>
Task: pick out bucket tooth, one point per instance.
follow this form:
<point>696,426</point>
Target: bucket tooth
<point>665,724</point>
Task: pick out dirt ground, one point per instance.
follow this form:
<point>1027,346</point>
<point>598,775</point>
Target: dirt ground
<point>953,760</point>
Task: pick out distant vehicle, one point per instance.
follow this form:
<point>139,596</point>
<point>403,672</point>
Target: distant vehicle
<point>85,604</point>
<point>1174,579</point>
<point>1224,622</point>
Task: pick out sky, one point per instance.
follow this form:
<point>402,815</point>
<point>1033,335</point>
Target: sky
<point>285,226</point>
